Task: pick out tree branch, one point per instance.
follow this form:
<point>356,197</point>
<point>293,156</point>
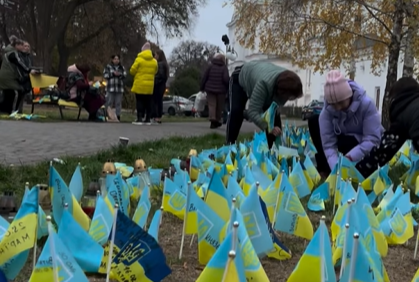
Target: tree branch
<point>107,24</point>
<point>341,28</point>
<point>369,9</point>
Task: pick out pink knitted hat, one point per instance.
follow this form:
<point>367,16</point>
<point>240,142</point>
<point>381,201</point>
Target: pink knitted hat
<point>146,46</point>
<point>336,88</point>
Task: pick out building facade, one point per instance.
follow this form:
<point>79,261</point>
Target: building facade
<point>313,82</point>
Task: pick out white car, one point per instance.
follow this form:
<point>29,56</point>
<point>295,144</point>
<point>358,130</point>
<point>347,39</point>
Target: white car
<point>174,105</point>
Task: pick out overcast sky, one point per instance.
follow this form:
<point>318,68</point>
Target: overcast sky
<point>209,26</point>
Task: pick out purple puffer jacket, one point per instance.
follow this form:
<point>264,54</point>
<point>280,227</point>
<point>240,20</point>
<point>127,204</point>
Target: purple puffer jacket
<point>360,120</point>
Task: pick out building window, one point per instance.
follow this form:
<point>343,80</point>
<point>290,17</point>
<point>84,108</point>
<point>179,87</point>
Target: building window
<point>377,97</point>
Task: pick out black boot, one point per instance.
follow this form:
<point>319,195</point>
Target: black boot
<point>118,117</point>
<point>213,125</point>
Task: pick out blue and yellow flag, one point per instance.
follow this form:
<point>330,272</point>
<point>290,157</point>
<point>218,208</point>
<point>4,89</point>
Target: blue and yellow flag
<point>153,230</point>
<point>76,184</point>
<point>280,252</point>
<point>317,198</point>
<point>21,233</point>
<point>143,208</point>
<point>269,116</point>
<point>291,216</point>
<point>309,267</point>
<point>221,263</point>
<point>174,199</point>
<point>252,266</point>
<point>255,223</point>
<point>299,181</point>
<point>210,226</point>
<point>61,195</point>
<point>398,227</point>
<point>234,191</point>
<point>11,268</point>
<point>217,197</point>
<point>118,191</point>
<point>270,196</point>
<point>68,268</point>
<point>140,257</point>
<point>86,251</point>
<point>102,220</point>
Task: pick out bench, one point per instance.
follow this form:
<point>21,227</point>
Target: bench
<point>61,104</point>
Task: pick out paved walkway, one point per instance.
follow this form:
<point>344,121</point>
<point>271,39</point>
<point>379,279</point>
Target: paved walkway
<point>30,142</point>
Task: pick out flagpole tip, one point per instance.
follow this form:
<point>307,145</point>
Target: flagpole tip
<point>323,217</point>
<point>116,206</point>
<point>233,200</point>
<point>66,205</point>
<point>27,183</point>
<point>236,224</point>
<point>49,218</point>
<point>349,202</point>
<point>353,200</point>
<point>356,236</point>
<point>78,163</point>
<point>232,254</point>
<point>161,208</point>
<point>347,225</point>
<point>98,192</point>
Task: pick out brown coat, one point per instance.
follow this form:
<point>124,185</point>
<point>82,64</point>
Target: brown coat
<point>216,78</point>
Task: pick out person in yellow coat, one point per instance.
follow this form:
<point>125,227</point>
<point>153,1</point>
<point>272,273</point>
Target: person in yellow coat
<point>143,70</point>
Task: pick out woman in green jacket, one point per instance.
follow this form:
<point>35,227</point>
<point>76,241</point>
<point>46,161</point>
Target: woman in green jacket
<point>261,83</point>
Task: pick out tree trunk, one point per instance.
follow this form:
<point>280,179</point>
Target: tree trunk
<point>64,55</point>
<point>393,61</point>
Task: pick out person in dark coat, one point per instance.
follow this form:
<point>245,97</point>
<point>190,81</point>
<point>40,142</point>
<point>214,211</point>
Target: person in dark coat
<point>215,84</point>
<point>160,80</point>
<point>260,83</point>
<point>26,58</point>
<point>404,125</point>
<point>12,73</point>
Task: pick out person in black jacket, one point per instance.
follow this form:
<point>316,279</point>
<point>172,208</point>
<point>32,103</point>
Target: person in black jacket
<point>12,74</point>
<point>404,125</point>
<point>160,84</point>
<point>26,58</point>
<point>215,83</point>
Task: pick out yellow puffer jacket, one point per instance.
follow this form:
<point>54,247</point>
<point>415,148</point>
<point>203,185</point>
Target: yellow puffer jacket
<point>143,70</point>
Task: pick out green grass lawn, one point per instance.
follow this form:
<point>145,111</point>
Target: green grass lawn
<point>155,153</point>
<point>52,114</point>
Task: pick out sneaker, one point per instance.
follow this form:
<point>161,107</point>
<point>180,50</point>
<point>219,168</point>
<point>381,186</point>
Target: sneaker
<point>147,122</point>
<point>137,123</point>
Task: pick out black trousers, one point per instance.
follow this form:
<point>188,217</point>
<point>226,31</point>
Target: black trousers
<point>158,100</point>
<point>237,101</point>
<point>345,144</point>
<point>144,107</point>
<point>19,102</point>
<point>6,106</point>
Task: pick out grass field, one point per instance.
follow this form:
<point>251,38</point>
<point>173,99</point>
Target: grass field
<point>399,263</point>
<point>52,114</point>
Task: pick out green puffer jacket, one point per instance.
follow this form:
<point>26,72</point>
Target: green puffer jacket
<point>9,75</point>
<point>258,81</point>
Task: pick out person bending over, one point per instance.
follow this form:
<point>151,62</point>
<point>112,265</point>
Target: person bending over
<point>404,125</point>
<point>261,83</point>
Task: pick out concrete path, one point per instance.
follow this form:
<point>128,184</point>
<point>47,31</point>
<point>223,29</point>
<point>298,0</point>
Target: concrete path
<point>25,142</point>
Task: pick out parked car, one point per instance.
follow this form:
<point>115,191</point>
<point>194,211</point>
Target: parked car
<point>173,105</point>
<point>312,109</point>
<point>205,112</point>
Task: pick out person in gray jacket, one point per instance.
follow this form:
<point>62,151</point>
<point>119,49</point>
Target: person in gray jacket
<point>262,83</point>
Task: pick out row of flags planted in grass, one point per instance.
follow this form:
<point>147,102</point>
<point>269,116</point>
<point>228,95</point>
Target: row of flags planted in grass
<point>236,201</point>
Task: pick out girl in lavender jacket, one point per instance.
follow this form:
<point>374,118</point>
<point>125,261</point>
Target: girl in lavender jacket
<point>349,123</point>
